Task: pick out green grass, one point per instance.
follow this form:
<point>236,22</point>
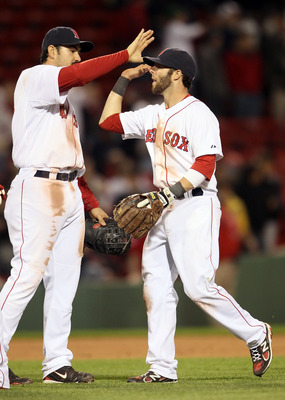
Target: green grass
<point>199,379</point>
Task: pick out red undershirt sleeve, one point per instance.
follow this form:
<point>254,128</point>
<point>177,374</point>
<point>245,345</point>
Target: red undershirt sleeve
<point>113,124</point>
<point>81,73</point>
<point>88,197</point>
<point>205,165</point>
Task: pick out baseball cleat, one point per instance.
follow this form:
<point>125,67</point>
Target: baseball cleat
<point>68,375</point>
<point>262,354</point>
<point>16,380</point>
<point>151,377</point>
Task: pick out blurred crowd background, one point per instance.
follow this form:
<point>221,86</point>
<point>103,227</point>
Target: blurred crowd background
<point>239,47</point>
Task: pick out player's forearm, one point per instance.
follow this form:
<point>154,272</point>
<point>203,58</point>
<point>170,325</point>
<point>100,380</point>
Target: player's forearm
<point>89,200</point>
<point>185,184</point>
<point>201,170</point>
<point>114,101</point>
<point>112,106</point>
<point>80,74</point>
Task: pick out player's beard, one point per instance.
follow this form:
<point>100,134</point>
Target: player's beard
<point>160,86</point>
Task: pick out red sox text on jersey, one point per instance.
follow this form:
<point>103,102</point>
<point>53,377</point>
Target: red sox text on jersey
<point>63,110</point>
<point>170,138</point>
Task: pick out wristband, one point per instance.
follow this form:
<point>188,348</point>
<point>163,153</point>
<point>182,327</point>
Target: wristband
<point>121,86</point>
<point>178,190</point>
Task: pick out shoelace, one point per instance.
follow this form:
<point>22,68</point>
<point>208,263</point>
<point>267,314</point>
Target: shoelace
<point>255,355</point>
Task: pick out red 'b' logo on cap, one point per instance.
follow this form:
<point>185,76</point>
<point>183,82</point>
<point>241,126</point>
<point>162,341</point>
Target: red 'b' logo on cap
<point>75,33</point>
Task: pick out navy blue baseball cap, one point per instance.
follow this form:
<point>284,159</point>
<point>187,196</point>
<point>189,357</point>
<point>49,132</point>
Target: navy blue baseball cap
<point>174,58</point>
<point>65,36</point>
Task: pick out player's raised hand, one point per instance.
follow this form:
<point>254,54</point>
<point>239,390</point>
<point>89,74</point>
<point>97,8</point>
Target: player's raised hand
<point>139,44</point>
<point>133,73</point>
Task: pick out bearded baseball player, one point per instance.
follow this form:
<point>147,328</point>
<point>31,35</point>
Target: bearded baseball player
<point>183,141</point>
<point>45,206</point>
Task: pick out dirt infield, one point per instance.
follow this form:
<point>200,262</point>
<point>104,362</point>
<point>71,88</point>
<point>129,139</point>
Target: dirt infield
<point>135,347</point>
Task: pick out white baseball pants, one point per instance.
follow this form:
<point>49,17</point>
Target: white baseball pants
<point>184,242</point>
<point>45,219</point>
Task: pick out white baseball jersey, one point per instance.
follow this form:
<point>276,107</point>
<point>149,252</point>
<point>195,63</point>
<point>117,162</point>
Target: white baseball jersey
<point>43,120</point>
<point>175,137</point>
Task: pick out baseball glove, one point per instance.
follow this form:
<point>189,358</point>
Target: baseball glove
<point>138,213</point>
<point>109,239</point>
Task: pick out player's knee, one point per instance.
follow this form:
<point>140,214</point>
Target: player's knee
<point>31,278</point>
<point>195,293</point>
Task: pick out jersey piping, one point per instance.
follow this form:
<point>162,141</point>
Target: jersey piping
<point>165,157</point>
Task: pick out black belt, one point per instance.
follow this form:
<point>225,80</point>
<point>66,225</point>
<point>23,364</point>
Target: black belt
<point>60,176</point>
<point>197,192</point>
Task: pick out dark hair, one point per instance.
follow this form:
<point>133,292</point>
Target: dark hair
<point>187,82</point>
<point>44,55</point>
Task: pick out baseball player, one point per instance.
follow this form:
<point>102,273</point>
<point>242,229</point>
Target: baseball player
<point>44,209</point>
<point>4,373</point>
<point>183,141</point>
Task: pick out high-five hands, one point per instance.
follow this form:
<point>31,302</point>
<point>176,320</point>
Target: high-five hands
<point>139,44</point>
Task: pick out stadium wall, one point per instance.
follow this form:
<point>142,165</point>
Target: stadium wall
<point>260,290</point>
